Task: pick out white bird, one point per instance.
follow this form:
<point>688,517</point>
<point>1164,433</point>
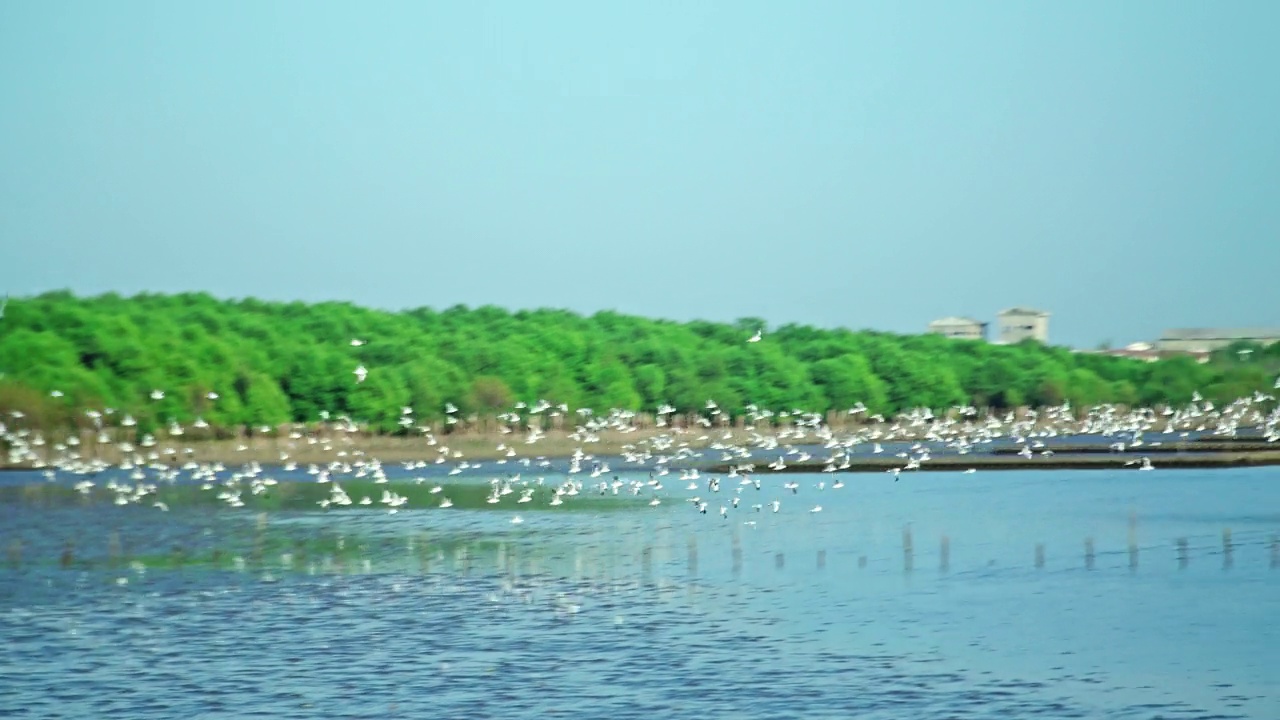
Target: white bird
<point>356,343</point>
<point>816,509</point>
<point>213,396</point>
<point>756,337</point>
<point>157,394</point>
<point>360,373</point>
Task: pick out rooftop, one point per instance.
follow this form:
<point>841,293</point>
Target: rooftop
<point>1023,311</point>
<point>1221,333</point>
<point>955,320</point>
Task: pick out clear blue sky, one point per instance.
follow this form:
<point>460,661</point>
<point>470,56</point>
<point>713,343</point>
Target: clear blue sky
<point>830,163</point>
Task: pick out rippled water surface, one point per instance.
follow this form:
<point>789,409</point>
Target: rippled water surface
<point>940,596</point>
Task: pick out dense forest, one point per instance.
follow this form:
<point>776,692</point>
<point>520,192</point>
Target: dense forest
<point>275,362</point>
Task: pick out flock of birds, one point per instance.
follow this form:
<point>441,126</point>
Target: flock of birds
<point>675,452</point>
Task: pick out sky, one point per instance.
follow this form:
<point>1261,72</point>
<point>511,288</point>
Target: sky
<point>838,164</point>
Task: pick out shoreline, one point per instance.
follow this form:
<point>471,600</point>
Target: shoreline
<point>1200,447</point>
<point>278,450</point>
<point>1116,461</point>
<point>945,463</point>
<point>488,447</point>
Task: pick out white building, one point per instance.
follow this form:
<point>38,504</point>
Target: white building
<point>1020,323</point>
<point>1210,339</point>
<point>962,328</point>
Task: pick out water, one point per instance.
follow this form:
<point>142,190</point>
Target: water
<point>664,612</point>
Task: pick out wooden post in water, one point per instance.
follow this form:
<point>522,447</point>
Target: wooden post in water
<point>692,543</point>
<point>1183,557</point>
<point>423,549</point>
<point>1088,553</point>
<point>1226,548</point>
<point>1133,540</point>
<point>259,537</point>
<point>862,561</point>
<point>908,550</point>
<point>822,559</point>
<point>737,553</point>
<point>300,551</point>
<point>15,553</point>
<point>1039,555</point>
<point>113,548</point>
<point>779,560</point>
<point>1275,552</point>
<point>944,554</point>
<point>646,564</point>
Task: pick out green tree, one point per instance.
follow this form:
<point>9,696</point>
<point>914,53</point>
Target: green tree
<point>489,393</point>
<point>848,380</point>
<point>276,361</point>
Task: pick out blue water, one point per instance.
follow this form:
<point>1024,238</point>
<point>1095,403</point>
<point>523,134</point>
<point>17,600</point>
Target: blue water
<point>664,612</point>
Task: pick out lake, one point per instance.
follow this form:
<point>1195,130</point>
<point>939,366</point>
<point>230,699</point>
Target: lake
<point>943,595</point>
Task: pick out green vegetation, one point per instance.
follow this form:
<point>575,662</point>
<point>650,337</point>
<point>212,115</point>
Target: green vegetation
<point>272,363</point>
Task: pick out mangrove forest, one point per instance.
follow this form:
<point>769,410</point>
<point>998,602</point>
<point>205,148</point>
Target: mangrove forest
<point>177,357</point>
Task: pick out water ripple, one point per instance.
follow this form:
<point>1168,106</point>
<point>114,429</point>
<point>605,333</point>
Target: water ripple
<point>626,616</point>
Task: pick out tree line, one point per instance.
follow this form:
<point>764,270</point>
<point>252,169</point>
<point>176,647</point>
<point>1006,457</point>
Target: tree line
<point>274,362</point>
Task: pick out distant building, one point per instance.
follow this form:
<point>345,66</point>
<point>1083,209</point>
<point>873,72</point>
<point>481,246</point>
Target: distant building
<point>1019,323</point>
<point>1203,340</point>
<point>1135,351</point>
<point>1148,353</point>
<point>959,327</point>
